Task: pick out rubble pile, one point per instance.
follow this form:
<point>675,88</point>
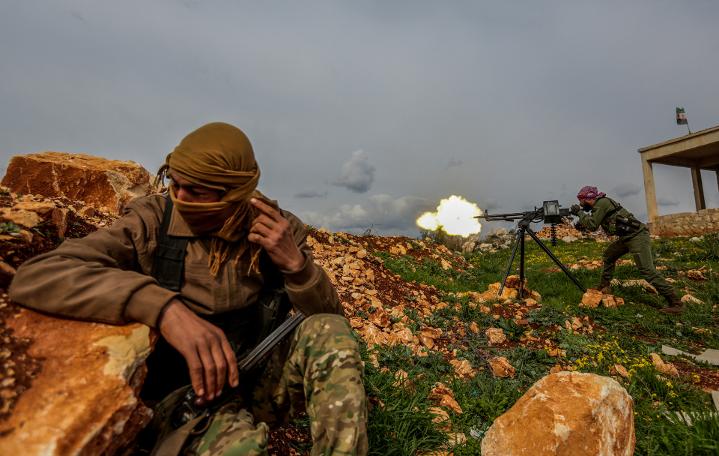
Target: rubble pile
<point>564,231</point>
<point>502,238</point>
<point>378,302</point>
<point>33,224</point>
<point>567,233</point>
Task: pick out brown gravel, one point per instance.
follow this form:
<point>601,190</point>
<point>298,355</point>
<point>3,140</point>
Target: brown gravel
<point>17,368</point>
<point>702,377</point>
<point>290,439</point>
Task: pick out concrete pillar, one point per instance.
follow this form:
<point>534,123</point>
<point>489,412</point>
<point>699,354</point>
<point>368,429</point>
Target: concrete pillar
<point>717,171</point>
<point>649,192</point>
<point>698,188</point>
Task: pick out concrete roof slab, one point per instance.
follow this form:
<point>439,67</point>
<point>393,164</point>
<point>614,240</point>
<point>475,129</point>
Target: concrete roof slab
<point>699,149</point>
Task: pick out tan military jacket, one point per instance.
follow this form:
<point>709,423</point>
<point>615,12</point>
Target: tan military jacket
<point>106,276</point>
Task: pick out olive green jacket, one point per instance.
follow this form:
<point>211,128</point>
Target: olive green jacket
<point>602,215</point>
<point>106,277</point>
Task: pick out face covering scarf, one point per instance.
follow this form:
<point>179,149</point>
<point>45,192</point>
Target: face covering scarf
<point>218,156</point>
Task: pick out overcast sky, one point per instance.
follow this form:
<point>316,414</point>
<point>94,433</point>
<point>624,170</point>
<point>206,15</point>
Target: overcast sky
<point>364,114</point>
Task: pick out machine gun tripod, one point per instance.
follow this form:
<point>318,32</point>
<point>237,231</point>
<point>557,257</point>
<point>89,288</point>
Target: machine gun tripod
<point>551,213</point>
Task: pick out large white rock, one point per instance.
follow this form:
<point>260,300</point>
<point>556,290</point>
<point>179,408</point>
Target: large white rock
<point>566,414</point>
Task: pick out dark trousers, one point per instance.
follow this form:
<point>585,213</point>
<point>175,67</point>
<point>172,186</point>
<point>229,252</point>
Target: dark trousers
<point>640,246</point>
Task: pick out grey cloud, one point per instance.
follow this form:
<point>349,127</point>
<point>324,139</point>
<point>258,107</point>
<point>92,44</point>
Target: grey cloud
<point>311,194</point>
<point>382,212</point>
<point>662,201</point>
<point>78,16</point>
<point>488,204</point>
<point>190,4</point>
<point>488,84</point>
<point>454,163</point>
<point>357,174</point>
<point>626,189</point>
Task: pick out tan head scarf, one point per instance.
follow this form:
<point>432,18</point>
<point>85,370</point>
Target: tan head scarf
<point>218,156</point>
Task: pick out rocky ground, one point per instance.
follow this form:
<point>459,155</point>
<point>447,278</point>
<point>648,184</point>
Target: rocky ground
<point>30,225</point>
<point>446,354</point>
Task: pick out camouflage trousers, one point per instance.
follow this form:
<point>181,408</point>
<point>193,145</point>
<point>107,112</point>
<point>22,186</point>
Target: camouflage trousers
<point>640,246</point>
<point>318,370</point>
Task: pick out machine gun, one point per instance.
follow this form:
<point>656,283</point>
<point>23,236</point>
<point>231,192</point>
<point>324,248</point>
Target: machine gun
<point>550,213</point>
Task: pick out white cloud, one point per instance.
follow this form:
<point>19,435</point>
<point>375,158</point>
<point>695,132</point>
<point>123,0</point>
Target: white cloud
<point>382,213</point>
<point>357,174</point>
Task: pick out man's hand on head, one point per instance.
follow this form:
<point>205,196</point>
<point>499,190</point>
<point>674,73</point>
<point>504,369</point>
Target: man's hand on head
<point>273,232</point>
<point>204,346</point>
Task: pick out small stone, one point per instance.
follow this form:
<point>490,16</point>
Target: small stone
<point>591,299</point>
<point>663,367</point>
<point>501,367</point>
<point>495,336</point>
<point>621,370</point>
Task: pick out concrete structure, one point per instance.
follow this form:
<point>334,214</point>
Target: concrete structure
<point>696,151</point>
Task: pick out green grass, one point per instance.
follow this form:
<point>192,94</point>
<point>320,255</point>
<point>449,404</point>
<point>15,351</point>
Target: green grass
<point>626,335</point>
<point>8,228</point>
<point>399,420</point>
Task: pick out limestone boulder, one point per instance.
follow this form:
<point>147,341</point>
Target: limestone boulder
<point>566,414</point>
<point>101,183</point>
<point>82,397</point>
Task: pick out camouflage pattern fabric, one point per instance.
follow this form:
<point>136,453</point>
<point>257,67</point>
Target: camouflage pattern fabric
<point>232,432</point>
<point>319,369</point>
<point>640,246</point>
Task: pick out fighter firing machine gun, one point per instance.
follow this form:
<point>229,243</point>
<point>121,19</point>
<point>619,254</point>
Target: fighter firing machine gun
<point>550,213</point>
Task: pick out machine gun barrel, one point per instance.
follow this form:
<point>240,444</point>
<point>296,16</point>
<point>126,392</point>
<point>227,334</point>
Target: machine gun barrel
<point>550,212</point>
<point>509,216</point>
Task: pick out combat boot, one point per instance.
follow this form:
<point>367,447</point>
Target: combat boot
<point>676,306</point>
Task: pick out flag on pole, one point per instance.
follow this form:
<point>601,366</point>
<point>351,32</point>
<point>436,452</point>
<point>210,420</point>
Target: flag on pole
<point>682,117</point>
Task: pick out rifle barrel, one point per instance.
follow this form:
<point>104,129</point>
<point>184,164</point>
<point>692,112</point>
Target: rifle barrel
<point>506,216</point>
<point>263,348</point>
